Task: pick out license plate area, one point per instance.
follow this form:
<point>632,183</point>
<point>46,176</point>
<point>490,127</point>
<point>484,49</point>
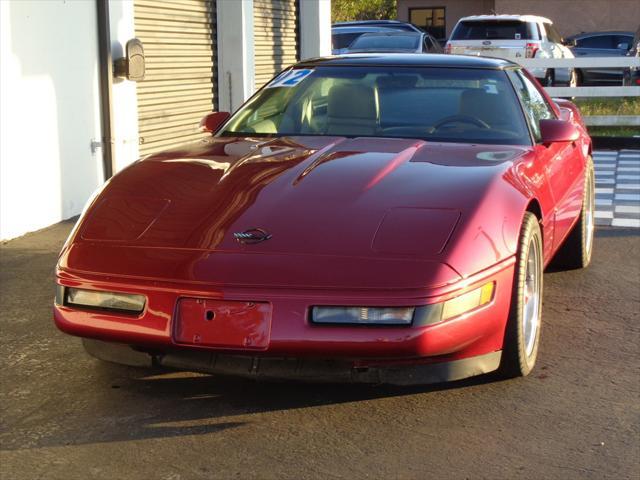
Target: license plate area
<point>223,324</point>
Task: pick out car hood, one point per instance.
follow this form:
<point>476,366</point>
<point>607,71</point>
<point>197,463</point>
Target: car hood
<point>312,196</point>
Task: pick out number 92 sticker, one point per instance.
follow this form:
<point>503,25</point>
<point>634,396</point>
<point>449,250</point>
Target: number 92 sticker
<point>290,78</point>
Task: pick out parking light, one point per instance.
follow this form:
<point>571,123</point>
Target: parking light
<point>468,301</point>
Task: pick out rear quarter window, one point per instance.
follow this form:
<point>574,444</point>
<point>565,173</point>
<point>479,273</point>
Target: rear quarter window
<point>553,34</point>
<point>343,40</point>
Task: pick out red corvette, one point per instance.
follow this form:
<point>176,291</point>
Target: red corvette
<point>371,218</point>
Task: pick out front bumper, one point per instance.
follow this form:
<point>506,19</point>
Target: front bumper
<point>308,370</point>
<point>291,334</point>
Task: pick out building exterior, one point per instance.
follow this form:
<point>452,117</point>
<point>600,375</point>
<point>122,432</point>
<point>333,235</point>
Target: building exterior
<point>67,122</point>
<point>569,16</point>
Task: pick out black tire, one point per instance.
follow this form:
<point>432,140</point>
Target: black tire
<point>518,355</point>
<point>549,78</point>
<point>577,250</point>
<point>579,78</point>
<point>573,78</point>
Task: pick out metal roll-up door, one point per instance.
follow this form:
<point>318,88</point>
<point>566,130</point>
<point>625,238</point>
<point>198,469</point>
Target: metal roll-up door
<point>180,85</point>
<point>275,24</point>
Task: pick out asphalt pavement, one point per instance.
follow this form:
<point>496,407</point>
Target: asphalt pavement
<point>65,415</point>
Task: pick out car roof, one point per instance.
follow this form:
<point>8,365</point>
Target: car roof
<point>392,33</point>
<point>370,22</point>
<point>409,60</point>
<point>596,34</point>
<point>362,29</point>
<point>523,18</point>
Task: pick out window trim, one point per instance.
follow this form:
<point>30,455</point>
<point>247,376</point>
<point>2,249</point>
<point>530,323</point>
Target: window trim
<point>522,71</point>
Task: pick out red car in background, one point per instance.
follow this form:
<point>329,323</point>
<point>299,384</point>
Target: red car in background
<point>367,218</point>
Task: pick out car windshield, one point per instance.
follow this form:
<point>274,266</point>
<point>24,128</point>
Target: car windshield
<point>432,103</point>
<point>377,42</point>
<point>493,30</point>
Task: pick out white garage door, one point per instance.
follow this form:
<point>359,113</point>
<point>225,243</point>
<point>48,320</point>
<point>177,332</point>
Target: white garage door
<point>180,85</point>
<point>275,37</point>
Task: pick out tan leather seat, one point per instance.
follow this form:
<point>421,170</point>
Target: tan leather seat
<point>352,110</point>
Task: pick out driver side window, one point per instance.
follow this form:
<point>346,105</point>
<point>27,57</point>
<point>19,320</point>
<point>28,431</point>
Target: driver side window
<point>535,105</point>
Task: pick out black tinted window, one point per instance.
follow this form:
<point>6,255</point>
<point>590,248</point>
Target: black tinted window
<point>498,30</point>
<point>624,39</point>
<point>600,41</point>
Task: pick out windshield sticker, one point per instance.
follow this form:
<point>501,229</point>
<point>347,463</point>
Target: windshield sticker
<point>291,78</point>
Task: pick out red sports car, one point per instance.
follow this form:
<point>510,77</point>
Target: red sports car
<point>370,218</point>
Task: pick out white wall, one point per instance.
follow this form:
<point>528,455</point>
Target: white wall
<point>234,24</point>
<point>50,104</point>
<point>49,98</point>
<point>235,41</point>
<point>315,28</point>
<point>124,101</point>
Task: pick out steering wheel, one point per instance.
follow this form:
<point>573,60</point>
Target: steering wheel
<point>462,119</point>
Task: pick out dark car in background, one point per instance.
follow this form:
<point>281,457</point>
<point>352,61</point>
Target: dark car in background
<point>600,44</point>
<point>395,42</point>
<point>344,33</point>
<point>343,37</point>
<point>398,25</point>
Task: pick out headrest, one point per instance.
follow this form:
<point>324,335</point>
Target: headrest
<point>352,101</point>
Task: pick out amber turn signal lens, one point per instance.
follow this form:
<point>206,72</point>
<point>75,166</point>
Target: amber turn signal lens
<point>468,301</point>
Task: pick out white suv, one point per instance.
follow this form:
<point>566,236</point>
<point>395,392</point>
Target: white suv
<point>513,37</point>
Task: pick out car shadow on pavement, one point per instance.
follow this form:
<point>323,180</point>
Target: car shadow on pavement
<point>128,404</point>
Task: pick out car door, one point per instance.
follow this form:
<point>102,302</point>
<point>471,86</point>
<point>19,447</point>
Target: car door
<point>560,162</point>
<point>598,46</point>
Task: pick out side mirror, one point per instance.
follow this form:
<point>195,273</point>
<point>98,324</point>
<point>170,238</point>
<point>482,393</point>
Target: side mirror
<point>213,121</point>
<point>553,131</point>
<point>132,66</point>
<point>623,46</point>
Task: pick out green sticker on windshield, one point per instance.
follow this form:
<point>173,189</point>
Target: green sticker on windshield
<point>291,78</point>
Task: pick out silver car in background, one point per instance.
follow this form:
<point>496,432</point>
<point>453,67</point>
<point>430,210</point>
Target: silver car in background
<point>394,42</point>
<point>513,37</point>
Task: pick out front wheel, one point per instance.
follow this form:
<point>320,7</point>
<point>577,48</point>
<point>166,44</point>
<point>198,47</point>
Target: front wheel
<point>522,335</point>
<point>578,247</point>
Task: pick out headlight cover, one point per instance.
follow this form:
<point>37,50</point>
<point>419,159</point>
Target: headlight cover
<point>122,302</point>
<point>363,315</point>
<point>397,316</point>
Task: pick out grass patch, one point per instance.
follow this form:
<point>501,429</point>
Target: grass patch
<point>614,131</point>
<point>610,106</point>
